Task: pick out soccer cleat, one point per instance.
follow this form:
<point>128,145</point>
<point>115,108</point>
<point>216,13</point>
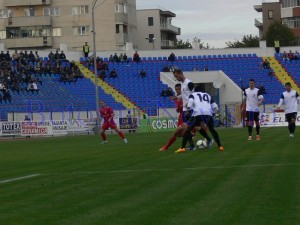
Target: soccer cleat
<point>209,144</point>
<point>103,142</point>
<point>257,137</point>
<point>181,150</point>
<point>125,141</point>
<point>292,135</point>
<point>221,148</point>
<point>192,148</point>
<point>250,138</point>
<point>164,148</point>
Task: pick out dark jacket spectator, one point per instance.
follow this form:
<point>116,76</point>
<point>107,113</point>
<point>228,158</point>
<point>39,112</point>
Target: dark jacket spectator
<point>136,57</point>
<point>143,73</point>
<point>172,57</point>
<point>113,74</point>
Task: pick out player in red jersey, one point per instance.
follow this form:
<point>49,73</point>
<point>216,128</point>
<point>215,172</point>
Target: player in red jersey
<point>108,116</point>
<point>180,125</point>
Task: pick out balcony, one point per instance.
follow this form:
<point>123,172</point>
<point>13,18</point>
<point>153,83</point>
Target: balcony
<point>258,23</point>
<point>28,21</point>
<point>170,28</point>
<point>121,38</point>
<point>10,3</point>
<point>167,44</point>
<point>258,8</point>
<point>121,18</point>
<point>28,42</point>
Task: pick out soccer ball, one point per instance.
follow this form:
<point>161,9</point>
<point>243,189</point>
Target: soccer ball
<point>201,144</point>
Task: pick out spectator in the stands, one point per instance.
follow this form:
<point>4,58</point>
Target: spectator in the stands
<point>143,73</point>
<point>291,55</point>
<point>15,86</point>
<point>172,57</point>
<point>125,58</point>
<point>111,58</point>
<point>7,56</point>
<point>113,73</point>
<point>31,57</point>
<point>136,57</point>
<point>196,68</point>
<point>37,56</point>
<point>62,55</point>
<point>116,58</point>
<point>56,55</point>
<point>205,68</point>
<point>102,74</point>
<point>26,56</point>
<point>285,56</point>
<point>121,57</point>
<point>51,56</point>
<point>2,56</point>
<point>6,95</point>
<point>296,55</point>
<point>266,64</point>
<point>15,56</point>
<point>271,74</point>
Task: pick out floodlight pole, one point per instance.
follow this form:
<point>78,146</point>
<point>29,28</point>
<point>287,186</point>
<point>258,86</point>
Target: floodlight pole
<point>95,64</point>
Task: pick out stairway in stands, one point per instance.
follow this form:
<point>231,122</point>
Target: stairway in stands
<point>107,88</point>
<point>281,73</point>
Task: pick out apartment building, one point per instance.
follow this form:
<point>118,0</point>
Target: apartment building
<point>42,24</point>
<point>271,12</point>
<point>155,29</point>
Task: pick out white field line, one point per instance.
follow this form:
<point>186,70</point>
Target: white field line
<point>19,178</point>
<point>168,170</point>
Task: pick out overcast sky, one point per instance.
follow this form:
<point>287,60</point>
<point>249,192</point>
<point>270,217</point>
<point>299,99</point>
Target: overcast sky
<point>213,21</point>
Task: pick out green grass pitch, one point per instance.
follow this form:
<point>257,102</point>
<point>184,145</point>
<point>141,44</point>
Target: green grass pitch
<point>78,181</point>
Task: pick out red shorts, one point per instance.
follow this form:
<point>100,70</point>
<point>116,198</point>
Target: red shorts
<point>110,124</point>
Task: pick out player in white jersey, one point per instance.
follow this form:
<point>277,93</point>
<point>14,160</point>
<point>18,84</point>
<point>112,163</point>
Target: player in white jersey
<point>203,106</point>
<point>187,88</point>
<point>291,99</point>
<point>253,99</point>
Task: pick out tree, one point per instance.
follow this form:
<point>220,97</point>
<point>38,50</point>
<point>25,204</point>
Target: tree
<point>180,44</point>
<point>248,41</point>
<point>282,33</point>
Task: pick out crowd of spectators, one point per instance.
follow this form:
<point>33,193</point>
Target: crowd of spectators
<point>290,56</point>
<point>22,71</point>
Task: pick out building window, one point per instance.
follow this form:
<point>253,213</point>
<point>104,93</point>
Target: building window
<point>2,34</point>
<point>56,32</point>
<point>80,10</point>
<point>30,11</point>
<point>150,21</point>
<point>151,38</point>
<point>5,13</point>
<point>290,3</point>
<point>52,11</point>
<point>121,8</point>
<point>270,14</point>
<point>117,28</point>
<point>82,30</point>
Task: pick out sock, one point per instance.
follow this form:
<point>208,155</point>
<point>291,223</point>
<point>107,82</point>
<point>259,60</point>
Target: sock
<point>204,134</point>
<point>171,141</point>
<point>293,128</point>
<point>121,134</point>
<point>187,137</point>
<point>103,137</point>
<point>216,136</point>
<point>249,130</point>
<point>257,129</point>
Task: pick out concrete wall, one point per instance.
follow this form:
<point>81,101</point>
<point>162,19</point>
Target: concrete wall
<point>229,92</point>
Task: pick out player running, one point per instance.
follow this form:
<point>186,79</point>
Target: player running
<point>187,88</point>
<point>202,105</point>
<point>180,125</point>
<point>108,116</point>
<point>290,98</point>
